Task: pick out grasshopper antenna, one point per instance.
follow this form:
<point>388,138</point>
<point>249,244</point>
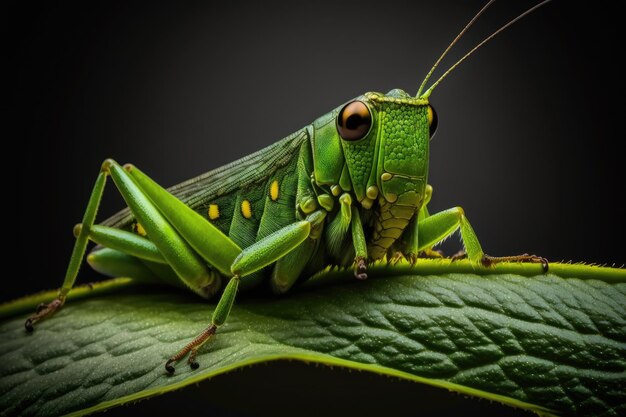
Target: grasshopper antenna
<point>487,39</point>
<point>471,22</point>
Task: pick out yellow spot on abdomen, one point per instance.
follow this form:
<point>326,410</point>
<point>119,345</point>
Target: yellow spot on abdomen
<point>274,190</point>
<point>246,209</point>
<point>139,229</point>
<point>214,211</point>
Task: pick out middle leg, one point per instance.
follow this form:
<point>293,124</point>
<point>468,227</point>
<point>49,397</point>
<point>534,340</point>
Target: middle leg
<point>256,256</point>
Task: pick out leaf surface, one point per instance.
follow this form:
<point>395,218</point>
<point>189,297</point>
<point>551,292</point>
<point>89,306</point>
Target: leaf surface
<point>554,344</point>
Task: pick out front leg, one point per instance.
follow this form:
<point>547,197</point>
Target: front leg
<point>413,246</point>
<point>348,217</point>
<point>360,246</point>
<point>439,226</point>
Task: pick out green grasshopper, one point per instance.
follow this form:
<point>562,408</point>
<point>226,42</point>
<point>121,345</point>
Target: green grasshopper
<point>348,189</point>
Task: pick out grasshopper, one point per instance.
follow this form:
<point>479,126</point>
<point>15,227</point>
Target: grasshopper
<point>348,189</point>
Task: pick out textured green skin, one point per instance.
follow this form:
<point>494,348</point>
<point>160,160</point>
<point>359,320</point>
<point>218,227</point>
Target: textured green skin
<point>397,143</point>
<point>537,342</point>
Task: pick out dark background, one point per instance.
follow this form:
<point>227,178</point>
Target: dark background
<point>528,140</point>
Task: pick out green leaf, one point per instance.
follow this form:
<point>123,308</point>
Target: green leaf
<point>553,344</point>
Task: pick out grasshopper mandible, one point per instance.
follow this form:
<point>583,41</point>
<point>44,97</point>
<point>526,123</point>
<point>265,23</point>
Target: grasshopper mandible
<point>350,188</point>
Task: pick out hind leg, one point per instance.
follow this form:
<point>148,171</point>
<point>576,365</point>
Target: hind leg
<point>167,224</point>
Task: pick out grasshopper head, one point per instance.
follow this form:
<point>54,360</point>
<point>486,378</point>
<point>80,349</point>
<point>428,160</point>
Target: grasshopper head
<point>385,142</point>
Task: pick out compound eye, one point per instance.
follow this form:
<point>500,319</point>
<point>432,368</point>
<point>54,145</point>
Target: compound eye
<point>354,121</point>
<point>432,120</point>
